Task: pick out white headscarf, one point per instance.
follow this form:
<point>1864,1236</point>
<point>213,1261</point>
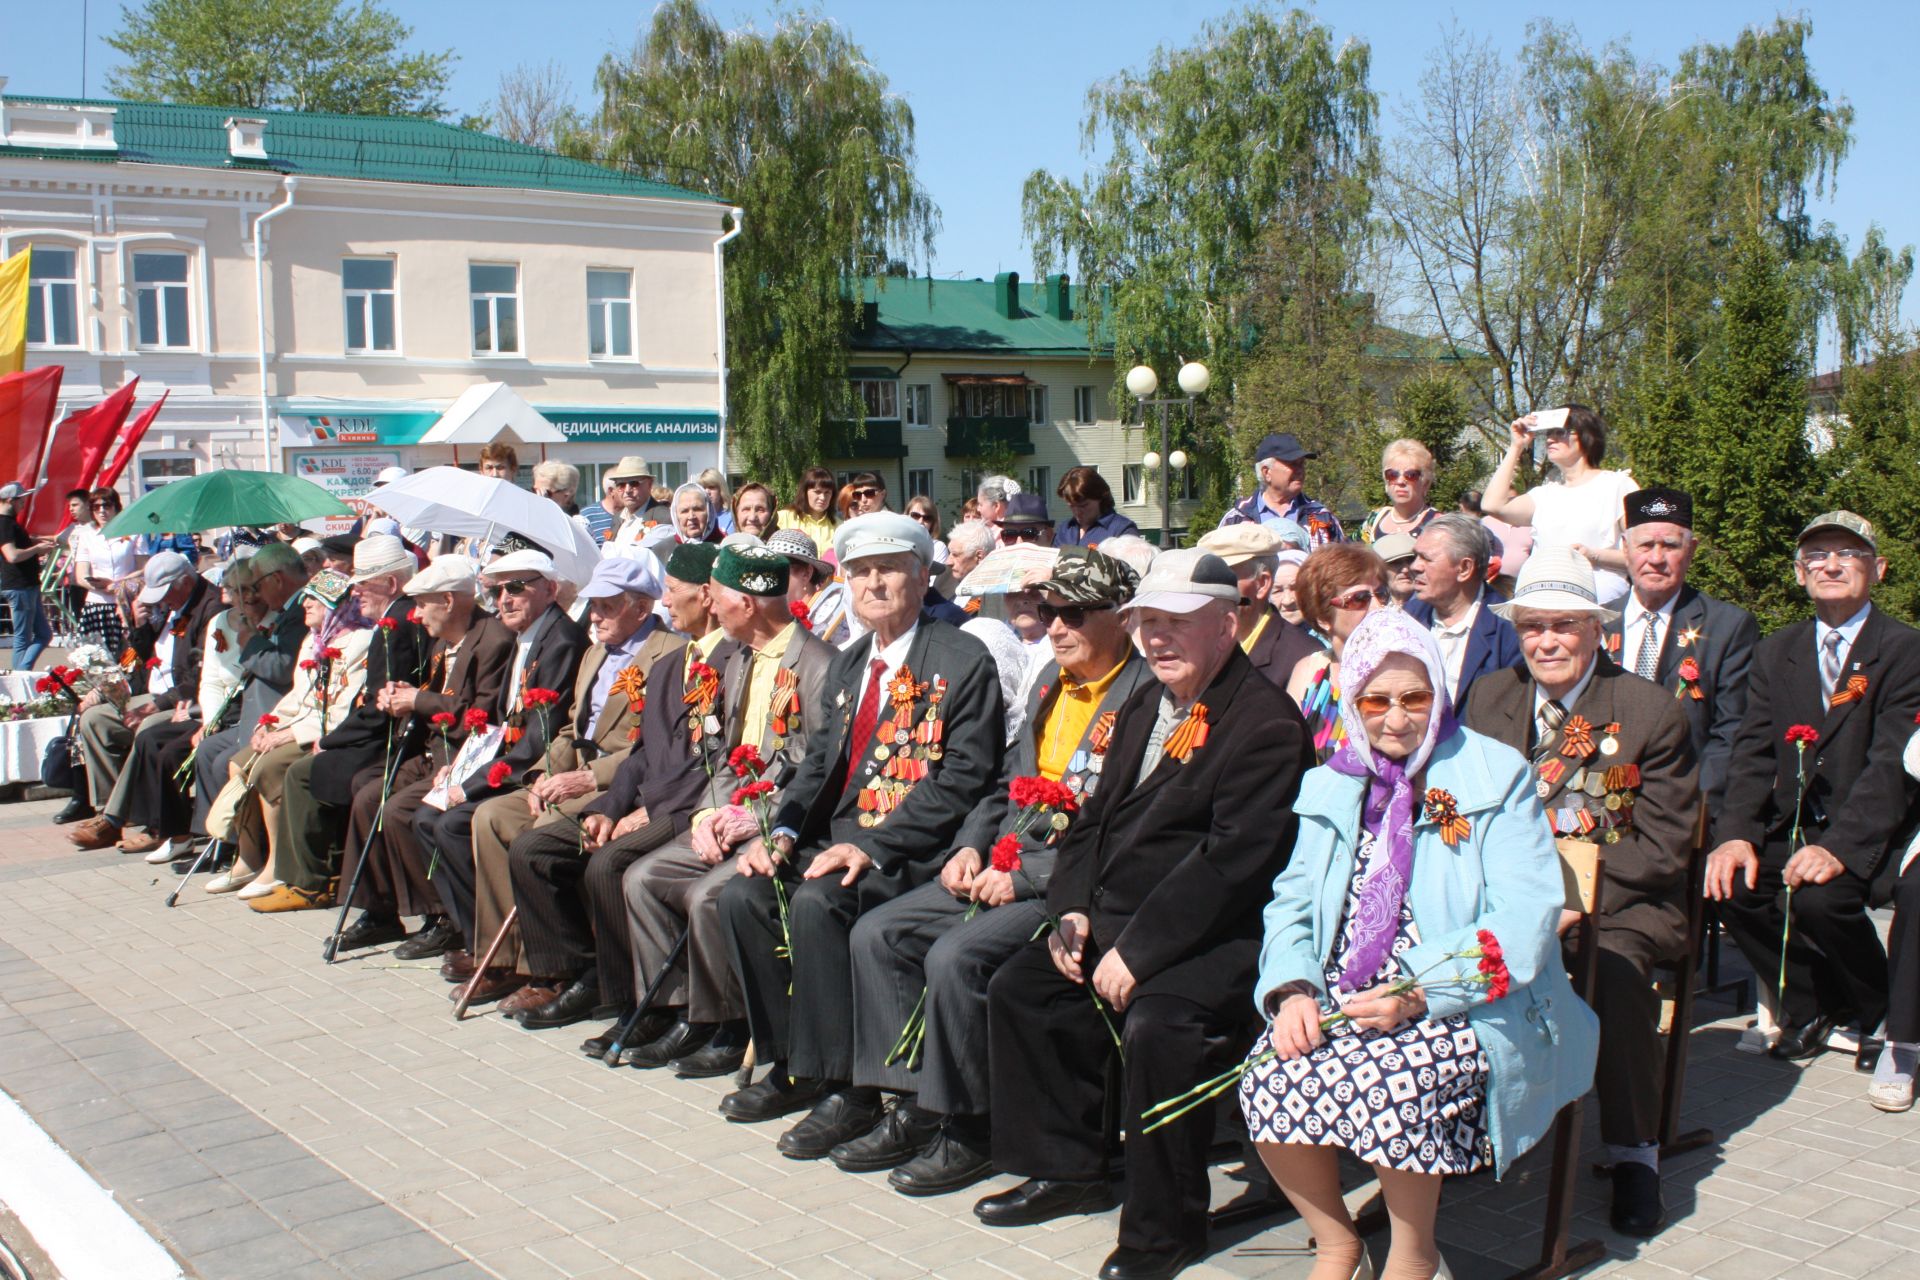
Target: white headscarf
<point>1010,656</point>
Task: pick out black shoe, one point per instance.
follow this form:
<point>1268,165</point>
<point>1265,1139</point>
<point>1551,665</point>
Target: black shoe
<point>1868,1055</point>
<point>77,808</point>
<point>575,1004</point>
<point>647,1028</point>
<point>775,1096</point>
<point>1637,1207</point>
<point>434,939</point>
<point>1808,1040</point>
<point>902,1134</point>
<point>371,931</point>
<point>1148,1264</point>
<point>721,1056</point>
<point>839,1117</point>
<point>948,1164</point>
<point>1043,1200</point>
<point>677,1041</point>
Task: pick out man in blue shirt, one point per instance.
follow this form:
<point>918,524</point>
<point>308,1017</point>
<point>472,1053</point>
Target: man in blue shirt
<point>1280,462</point>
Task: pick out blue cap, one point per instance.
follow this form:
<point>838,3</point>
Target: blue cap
<point>638,571</point>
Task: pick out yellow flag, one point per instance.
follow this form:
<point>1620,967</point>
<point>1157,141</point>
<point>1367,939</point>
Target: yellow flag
<point>13,312</point>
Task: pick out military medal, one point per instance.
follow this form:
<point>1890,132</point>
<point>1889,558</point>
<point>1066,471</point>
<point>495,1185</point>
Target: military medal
<point>1610,745</point>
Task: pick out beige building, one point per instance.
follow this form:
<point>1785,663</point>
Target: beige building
<point>400,261</point>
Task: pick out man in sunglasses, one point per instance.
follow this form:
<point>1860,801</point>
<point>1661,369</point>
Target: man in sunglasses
<point>1613,763</point>
<point>1023,518</point>
<point>1280,464</point>
<point>1274,645</point>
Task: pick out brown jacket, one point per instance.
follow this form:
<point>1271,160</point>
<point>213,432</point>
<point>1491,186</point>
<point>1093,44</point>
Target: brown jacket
<point>619,726</point>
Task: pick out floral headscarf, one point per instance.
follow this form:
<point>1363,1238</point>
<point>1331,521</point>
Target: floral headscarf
<point>1388,812</point>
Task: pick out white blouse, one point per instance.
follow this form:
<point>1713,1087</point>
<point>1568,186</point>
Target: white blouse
<point>1590,514</point>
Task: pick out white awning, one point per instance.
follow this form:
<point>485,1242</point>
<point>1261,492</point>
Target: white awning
<point>488,412</point>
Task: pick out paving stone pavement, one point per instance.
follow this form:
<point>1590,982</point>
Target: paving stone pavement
<point>264,1114</point>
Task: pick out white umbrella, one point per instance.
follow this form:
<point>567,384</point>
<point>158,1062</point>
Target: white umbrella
<point>468,504</point>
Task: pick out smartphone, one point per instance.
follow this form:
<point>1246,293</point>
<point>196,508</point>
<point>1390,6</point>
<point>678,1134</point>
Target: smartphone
<point>1549,420</point>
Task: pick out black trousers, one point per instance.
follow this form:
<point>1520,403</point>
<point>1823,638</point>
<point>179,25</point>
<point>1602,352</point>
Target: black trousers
<point>1835,963</point>
<point>1629,1073</point>
<point>573,915</point>
<point>154,799</point>
<point>395,881</point>
<point>450,836</point>
<point>1050,1053</point>
<point>811,1029</point>
<point>1903,959</point>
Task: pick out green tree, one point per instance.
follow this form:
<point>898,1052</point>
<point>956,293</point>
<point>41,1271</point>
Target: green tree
<point>797,127</point>
<point>1210,151</point>
<point>303,55</point>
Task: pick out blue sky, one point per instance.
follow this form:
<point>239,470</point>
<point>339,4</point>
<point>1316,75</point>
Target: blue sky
<point>997,87</point>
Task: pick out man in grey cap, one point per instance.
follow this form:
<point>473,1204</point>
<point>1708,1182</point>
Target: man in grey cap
<point>1280,464</point>
<point>913,742</point>
<point>935,1136</point>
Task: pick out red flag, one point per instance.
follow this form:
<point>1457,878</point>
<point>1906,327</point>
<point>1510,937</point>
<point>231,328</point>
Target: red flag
<point>74,455</point>
<point>110,476</point>
<point>27,402</point>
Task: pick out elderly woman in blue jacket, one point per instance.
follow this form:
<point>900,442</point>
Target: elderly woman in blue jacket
<point>1388,1035</point>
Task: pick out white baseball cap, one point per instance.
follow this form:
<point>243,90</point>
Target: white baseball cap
<point>534,562</point>
<point>164,571</point>
<point>1185,580</point>
<point>457,574</point>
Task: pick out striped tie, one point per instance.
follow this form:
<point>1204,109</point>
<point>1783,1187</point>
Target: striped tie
<point>1547,722</point>
<point>1647,661</point>
<point>1830,666</point>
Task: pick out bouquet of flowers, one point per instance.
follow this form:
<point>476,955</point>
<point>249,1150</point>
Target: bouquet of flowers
<point>754,796</point>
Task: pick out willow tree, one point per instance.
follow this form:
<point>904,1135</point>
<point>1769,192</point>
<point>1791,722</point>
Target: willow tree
<point>798,129</point>
<point>1207,151</point>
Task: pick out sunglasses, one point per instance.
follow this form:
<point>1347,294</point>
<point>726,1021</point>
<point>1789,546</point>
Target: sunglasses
<point>1022,533</point>
<point>1357,598</point>
<point>1557,435</point>
<point>1414,476</point>
<point>1074,615</point>
<point>866,493</point>
<point>922,517</point>
<point>1419,702</point>
<point>512,587</point>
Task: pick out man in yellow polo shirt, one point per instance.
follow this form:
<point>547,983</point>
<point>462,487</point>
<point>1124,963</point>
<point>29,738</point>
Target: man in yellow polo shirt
<point>947,938</point>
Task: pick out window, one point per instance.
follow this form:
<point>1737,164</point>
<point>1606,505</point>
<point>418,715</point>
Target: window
<point>1131,483</point>
<point>160,299</point>
<point>667,476</point>
<point>496,308</point>
<point>156,471</point>
<point>1037,404</point>
<point>610,314</point>
<point>1040,481</point>
<point>1083,402</point>
<point>53,291</point>
<point>880,395</point>
<point>366,286</point>
<point>920,480</point>
<point>918,404</point>
<point>992,400</point>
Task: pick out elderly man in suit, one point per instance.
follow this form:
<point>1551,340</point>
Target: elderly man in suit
<point>1452,600</point>
<point>946,939</point>
<point>465,671</point>
<point>768,699</point>
<point>1696,647</point>
<point>1821,817</point>
<point>913,741</point>
<point>1274,645</point>
<point>608,695</point>
<point>547,650</point>
<point>1157,893</point>
<point>1615,764</point>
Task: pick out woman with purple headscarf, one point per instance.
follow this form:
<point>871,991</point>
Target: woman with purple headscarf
<point>1385,1036</point>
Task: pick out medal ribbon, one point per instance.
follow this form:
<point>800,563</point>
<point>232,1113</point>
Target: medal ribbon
<point>1576,737</point>
<point>1190,735</point>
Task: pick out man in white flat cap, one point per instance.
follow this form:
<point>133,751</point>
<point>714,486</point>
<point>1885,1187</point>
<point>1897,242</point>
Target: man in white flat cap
<point>913,741</point>
<point>1615,762</point>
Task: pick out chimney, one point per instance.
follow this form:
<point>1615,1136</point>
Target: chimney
<point>246,137</point>
<point>1057,297</point>
<point>1006,295</point>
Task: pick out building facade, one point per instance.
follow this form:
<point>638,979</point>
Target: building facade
<point>401,262</point>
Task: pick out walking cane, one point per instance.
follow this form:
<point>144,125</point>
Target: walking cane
<point>480,970</point>
<point>331,949</point>
<point>205,854</point>
<point>632,1020</point>
<point>744,1076</point>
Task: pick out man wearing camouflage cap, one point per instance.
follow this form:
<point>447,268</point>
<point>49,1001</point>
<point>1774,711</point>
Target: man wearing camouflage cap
<point>936,1131</point>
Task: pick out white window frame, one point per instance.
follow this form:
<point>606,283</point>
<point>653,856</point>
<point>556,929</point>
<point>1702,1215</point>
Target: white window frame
<point>40,289</point>
<point>492,298</point>
<point>1039,480</point>
<point>916,404</point>
<point>919,482</point>
<point>160,289</point>
<point>1084,412</point>
<point>351,297</point>
<point>1037,403</point>
<point>605,306</point>
<point>886,397</point>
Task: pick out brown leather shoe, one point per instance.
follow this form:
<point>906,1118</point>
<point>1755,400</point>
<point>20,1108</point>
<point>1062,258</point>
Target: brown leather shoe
<point>94,833</point>
<point>492,985</point>
<point>458,966</point>
<point>142,842</point>
<point>537,992</point>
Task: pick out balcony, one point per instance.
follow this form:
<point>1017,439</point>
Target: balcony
<point>972,437</point>
<point>845,441</point>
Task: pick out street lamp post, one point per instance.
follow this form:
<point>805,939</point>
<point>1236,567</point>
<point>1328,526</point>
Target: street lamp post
<point>1142,382</point>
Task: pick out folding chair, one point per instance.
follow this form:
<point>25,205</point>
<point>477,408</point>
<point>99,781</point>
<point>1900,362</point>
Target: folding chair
<point>1583,866</point>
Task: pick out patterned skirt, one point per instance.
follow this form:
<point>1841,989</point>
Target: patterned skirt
<point>100,623</point>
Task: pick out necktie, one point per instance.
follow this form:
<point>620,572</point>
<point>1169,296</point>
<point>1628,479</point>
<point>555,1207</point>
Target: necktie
<point>1547,722</point>
<point>1647,661</point>
<point>864,719</point>
<point>1830,665</point>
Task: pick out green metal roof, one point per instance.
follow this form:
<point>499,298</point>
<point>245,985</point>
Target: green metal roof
<point>321,144</point>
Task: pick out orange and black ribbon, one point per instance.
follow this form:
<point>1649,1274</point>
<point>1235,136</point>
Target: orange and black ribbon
<point>1101,736</point>
<point>1576,737</point>
<point>1190,735</point>
<point>1444,812</point>
<point>631,684</point>
<point>1856,689</point>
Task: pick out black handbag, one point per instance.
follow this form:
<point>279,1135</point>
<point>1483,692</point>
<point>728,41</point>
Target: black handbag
<point>61,768</point>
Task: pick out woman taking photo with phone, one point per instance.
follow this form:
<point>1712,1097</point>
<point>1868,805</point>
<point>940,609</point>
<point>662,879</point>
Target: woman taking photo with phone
<point>1584,508</point>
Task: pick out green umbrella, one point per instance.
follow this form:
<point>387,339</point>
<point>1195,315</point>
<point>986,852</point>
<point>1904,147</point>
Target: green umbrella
<point>221,499</point>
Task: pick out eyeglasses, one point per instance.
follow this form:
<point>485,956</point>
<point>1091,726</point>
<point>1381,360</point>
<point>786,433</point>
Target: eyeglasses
<point>1357,598</point>
<point>512,587</point>
<point>1074,615</point>
<point>101,506</point>
<point>1416,703</point>
<point>1846,555</point>
<point>1414,476</point>
<point>1558,435</point>
<point>1533,628</point>
<point>922,517</point>
<point>1022,533</point>
<point>866,493</point>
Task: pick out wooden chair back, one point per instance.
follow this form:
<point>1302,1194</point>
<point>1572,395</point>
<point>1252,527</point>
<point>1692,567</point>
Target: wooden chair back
<point>1581,866</point>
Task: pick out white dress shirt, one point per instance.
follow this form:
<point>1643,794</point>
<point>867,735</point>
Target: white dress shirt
<point>1452,640</point>
<point>1634,623</point>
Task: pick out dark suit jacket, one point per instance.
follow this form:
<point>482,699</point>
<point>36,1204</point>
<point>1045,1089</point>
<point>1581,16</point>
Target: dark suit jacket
<point>480,672</point>
<point>1281,647</point>
<point>268,661</point>
<point>993,816</point>
<point>360,740</point>
<point>619,723</point>
<point>1857,791</point>
<point>1724,636</point>
<point>663,774</point>
<point>1492,645</point>
<point>189,640</point>
<point>1174,869</point>
<point>552,663</point>
<point>1646,869</point>
<point>808,657</point>
<point>820,801</point>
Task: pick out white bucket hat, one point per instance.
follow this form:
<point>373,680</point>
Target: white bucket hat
<point>1556,579</point>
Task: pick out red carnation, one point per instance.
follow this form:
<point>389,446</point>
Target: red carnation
<point>752,791</point>
<point>1803,733</point>
<point>443,718</point>
<point>387,624</point>
<point>308,664</point>
<point>1490,946</point>
<point>269,720</point>
<point>498,773</point>
<point>477,719</point>
<point>329,654</point>
<point>1006,854</point>
<point>745,761</point>
<point>413,614</point>
<point>540,697</point>
<point>1689,669</point>
<point>44,684</point>
<point>153,664</point>
<point>1043,793</point>
<point>801,614</point>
